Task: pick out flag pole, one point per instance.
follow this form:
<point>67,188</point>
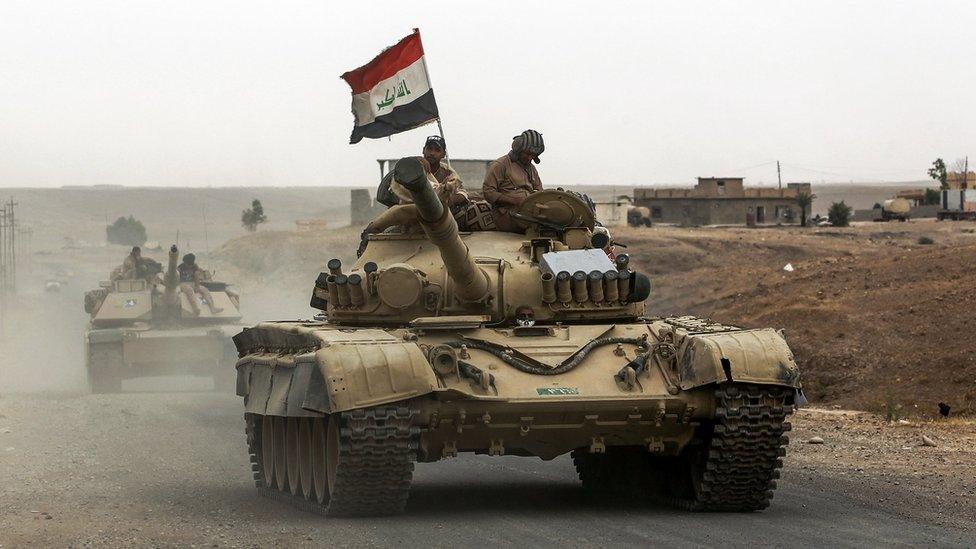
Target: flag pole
<point>440,127</point>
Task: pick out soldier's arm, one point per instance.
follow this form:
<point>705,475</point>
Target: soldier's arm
<point>536,181</point>
<point>490,187</point>
<point>455,178</point>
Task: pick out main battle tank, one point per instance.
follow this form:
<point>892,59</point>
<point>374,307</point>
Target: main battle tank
<point>146,327</point>
<point>496,343</point>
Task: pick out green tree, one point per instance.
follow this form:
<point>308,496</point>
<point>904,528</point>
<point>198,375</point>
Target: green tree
<point>839,214</point>
<point>804,200</point>
<point>127,231</point>
<point>932,197</point>
<point>253,216</point>
<point>938,172</point>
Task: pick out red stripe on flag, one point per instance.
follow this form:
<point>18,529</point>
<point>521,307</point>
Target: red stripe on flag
<point>386,64</point>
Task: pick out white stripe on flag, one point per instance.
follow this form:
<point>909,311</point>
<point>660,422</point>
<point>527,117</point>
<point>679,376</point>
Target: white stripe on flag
<point>401,88</point>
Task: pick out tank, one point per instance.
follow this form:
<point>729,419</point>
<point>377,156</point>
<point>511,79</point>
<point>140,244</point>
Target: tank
<point>147,327</point>
<point>896,208</point>
<point>535,345</point>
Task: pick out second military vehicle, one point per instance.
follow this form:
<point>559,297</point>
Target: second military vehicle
<point>532,344</point>
<point>146,326</point>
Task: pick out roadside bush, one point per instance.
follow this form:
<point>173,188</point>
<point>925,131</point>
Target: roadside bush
<point>839,214</point>
<point>127,231</point>
<point>253,216</point>
<point>924,240</point>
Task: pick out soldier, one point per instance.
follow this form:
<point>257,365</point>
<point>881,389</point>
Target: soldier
<point>132,264</point>
<point>392,193</point>
<point>512,178</point>
<point>191,279</point>
<point>444,180</point>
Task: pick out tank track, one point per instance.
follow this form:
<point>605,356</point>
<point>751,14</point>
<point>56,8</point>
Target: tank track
<point>735,469</point>
<point>104,367</point>
<point>377,450</point>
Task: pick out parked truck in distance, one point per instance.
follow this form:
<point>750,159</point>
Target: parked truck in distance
<point>958,204</point>
<point>895,208</point>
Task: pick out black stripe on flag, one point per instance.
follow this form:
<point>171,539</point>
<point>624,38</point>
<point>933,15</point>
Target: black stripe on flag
<point>402,118</point>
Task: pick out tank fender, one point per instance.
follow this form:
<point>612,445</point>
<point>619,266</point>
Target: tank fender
<point>335,378</point>
<point>749,356</point>
<point>360,375</point>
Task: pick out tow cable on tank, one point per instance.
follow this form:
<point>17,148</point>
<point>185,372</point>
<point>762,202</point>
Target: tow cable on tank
<point>532,366</point>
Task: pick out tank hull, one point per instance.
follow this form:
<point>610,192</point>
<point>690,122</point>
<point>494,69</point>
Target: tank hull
<point>510,392</point>
<point>117,354</point>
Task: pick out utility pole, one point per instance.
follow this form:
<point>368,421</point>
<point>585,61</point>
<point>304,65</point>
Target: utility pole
<point>13,245</point>
<point>779,178</point>
<point>965,174</point>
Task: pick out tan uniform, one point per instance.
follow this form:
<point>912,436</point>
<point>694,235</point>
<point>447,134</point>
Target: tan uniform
<point>130,267</point>
<point>507,183</point>
<point>443,175</point>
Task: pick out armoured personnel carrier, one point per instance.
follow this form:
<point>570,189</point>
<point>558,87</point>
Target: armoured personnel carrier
<point>147,327</point>
<point>497,343</point>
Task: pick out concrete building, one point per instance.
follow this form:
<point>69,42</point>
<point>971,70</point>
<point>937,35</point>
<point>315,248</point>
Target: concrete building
<point>471,171</point>
<point>722,201</point>
<point>362,207</point>
<point>613,213</point>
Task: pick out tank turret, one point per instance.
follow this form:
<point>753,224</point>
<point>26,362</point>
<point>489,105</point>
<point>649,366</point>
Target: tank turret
<point>471,281</point>
<point>558,270</point>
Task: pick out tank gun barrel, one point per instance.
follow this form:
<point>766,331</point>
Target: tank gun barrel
<point>470,281</point>
<point>171,280</point>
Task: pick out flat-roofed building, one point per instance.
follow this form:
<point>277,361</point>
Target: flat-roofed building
<point>722,201</point>
<point>471,170</point>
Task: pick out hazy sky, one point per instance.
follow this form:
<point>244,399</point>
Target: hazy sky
<point>248,93</point>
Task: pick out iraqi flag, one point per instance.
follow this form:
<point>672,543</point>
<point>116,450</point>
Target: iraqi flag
<point>392,93</point>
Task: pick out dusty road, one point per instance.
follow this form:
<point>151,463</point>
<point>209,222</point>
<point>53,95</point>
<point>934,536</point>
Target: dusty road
<point>170,470</point>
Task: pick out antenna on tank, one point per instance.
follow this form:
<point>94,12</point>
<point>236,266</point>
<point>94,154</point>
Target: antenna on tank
<point>206,239</point>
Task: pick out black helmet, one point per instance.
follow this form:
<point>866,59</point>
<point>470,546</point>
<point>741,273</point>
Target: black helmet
<point>189,259</point>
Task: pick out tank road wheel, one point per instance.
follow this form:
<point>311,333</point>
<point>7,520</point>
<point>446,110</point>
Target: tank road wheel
<point>280,463</point>
<point>305,456</point>
<point>332,444</point>
<point>621,470</point>
<point>252,429</point>
<point>594,471</point>
<point>267,451</point>
<point>737,467</point>
<point>357,463</point>
<point>319,476</point>
<point>105,366</point>
<point>291,455</point>
<point>369,458</point>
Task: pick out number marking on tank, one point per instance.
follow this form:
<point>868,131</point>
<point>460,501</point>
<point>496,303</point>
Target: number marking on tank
<point>556,391</point>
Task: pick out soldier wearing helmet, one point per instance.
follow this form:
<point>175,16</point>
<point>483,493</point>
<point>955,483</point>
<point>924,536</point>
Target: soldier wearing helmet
<point>512,178</point>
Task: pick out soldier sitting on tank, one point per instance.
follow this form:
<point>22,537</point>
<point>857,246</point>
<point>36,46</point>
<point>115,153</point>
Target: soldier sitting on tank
<point>512,178</point>
<point>133,266</point>
<point>136,267</point>
<point>470,213</point>
<point>191,284</point>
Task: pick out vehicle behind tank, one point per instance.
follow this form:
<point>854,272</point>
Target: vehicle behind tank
<point>143,327</point>
<point>532,344</point>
